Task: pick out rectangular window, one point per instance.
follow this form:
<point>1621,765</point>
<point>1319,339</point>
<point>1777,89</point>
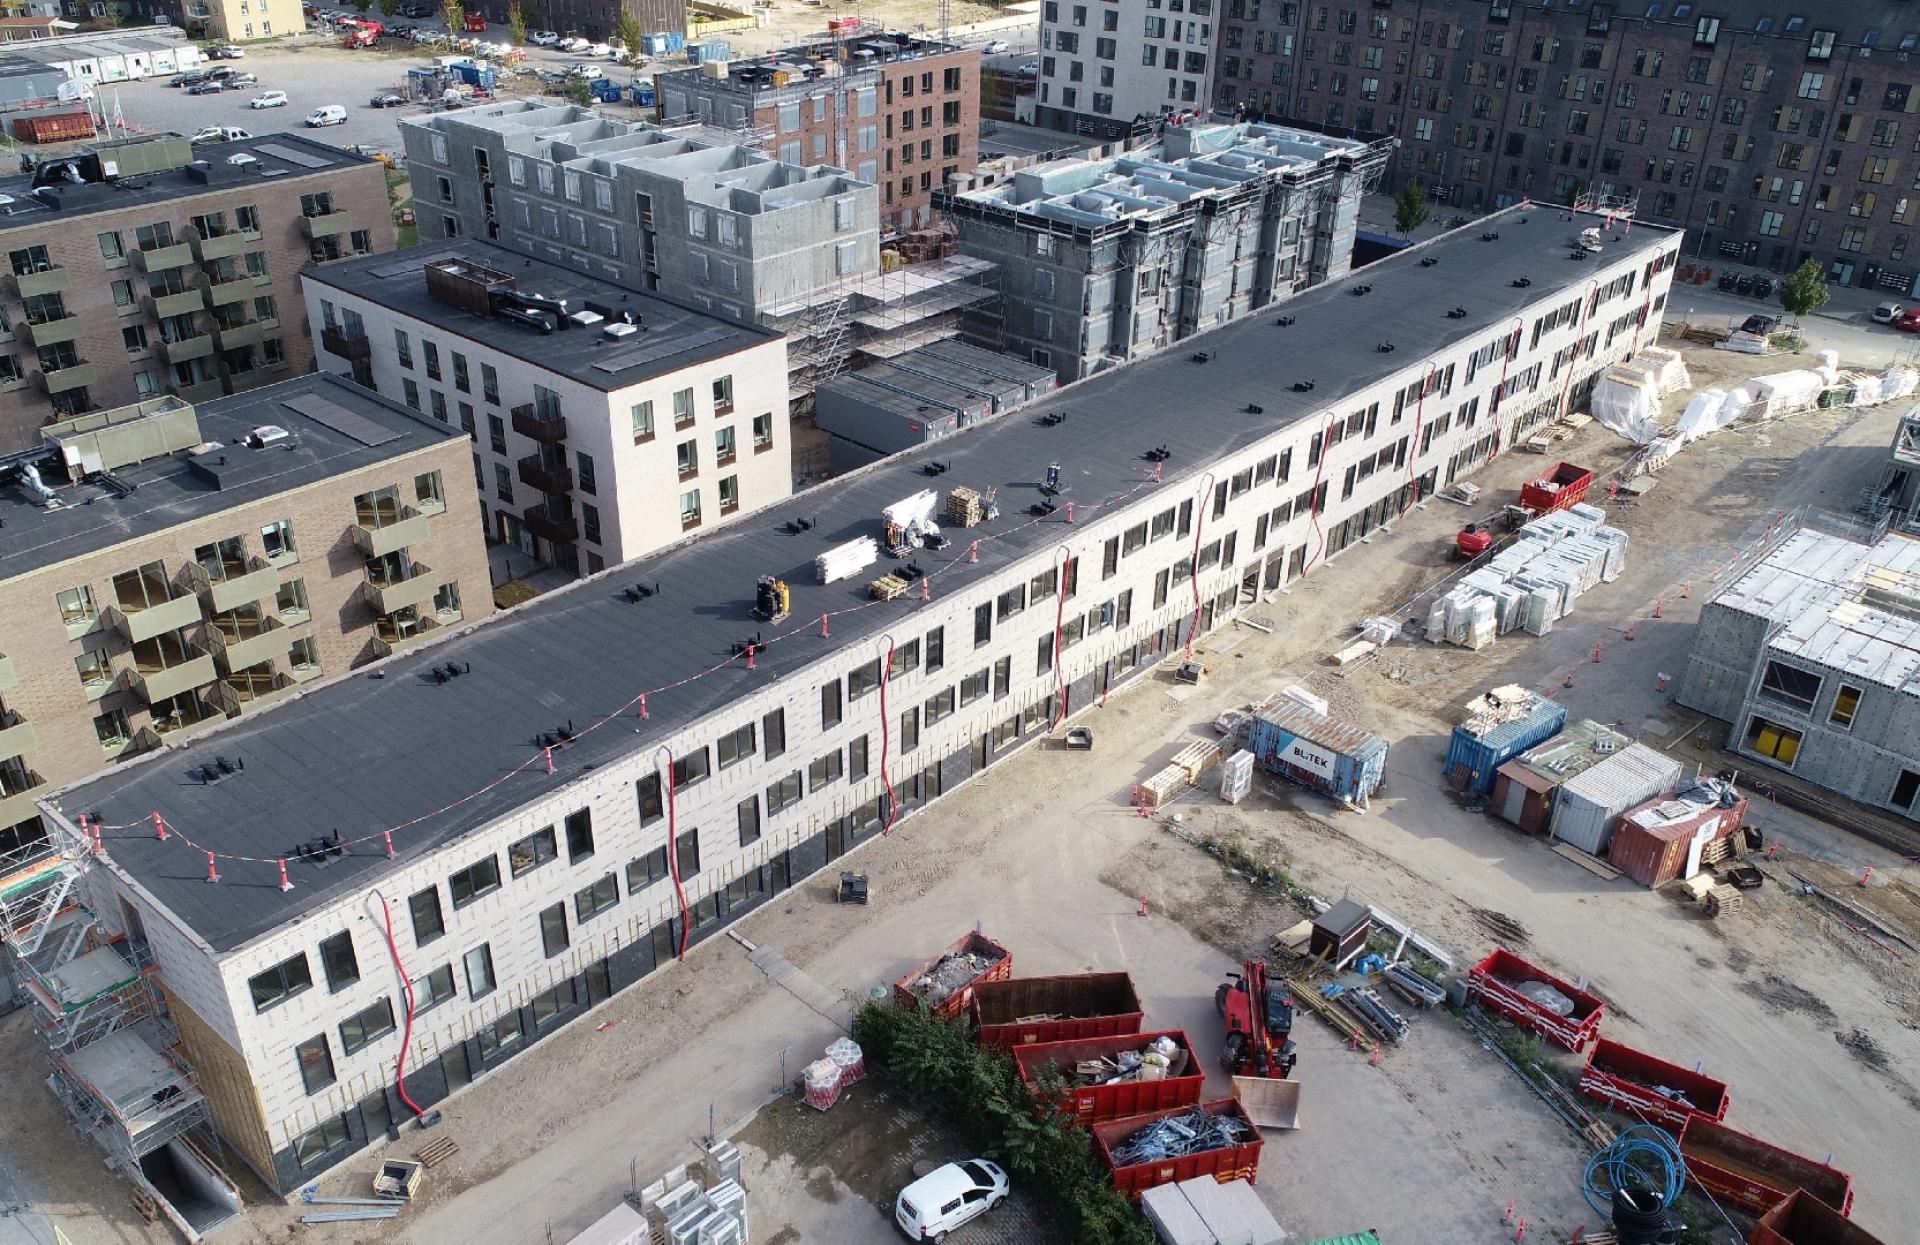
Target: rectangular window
<point>531,852</point>
<point>825,770</point>
<point>830,705</point>
<point>316,1147</point>
<point>428,923</point>
<point>479,966</point>
<point>1905,788</point>
<point>644,871</point>
<point>280,983</point>
<point>337,958</point>
<point>1002,678</point>
<point>863,679</point>
<point>975,686</point>
<point>366,1025</point>
<point>939,705</point>
<point>1799,688</point>
<point>591,901</point>
<point>773,733</point>
<point>737,745</point>
<point>647,795</point>
<point>433,989</point>
<point>747,815</point>
<point>904,660</point>
<point>689,853</point>
<point>783,793</point>
<point>935,649</point>
<point>910,729</point>
<point>553,929</point>
<point>1771,740</point>
<point>1846,707</point>
<point>580,825</point>
<point>316,1063</point>
<point>474,881</point>
<point>857,759</point>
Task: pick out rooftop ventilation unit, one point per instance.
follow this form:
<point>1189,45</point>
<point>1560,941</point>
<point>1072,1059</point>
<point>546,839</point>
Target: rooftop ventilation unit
<point>264,435</point>
<point>619,332</point>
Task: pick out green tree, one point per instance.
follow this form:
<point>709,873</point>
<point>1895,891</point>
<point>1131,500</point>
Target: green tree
<point>578,92</point>
<point>389,8</point>
<point>628,28</point>
<point>516,26</point>
<point>529,11</point>
<point>1410,208</point>
<point>1805,292</point>
<point>453,15</point>
<point>363,6</point>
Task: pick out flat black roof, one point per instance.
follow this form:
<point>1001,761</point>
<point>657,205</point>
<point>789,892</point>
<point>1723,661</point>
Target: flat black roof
<point>275,157</point>
<point>176,489</point>
<point>672,336</point>
<point>386,744</point>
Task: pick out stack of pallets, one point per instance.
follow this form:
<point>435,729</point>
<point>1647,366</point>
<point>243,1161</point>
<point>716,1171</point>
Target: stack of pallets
<point>1197,758</point>
<point>887,587</point>
<point>963,506</point>
<point>1164,785</point>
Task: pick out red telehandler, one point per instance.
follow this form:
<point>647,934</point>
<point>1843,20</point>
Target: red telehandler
<point>1259,1016</point>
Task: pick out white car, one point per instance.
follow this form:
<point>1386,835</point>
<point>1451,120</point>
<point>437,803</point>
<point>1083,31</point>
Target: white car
<point>994,47</point>
<point>947,1197</point>
<point>573,43</point>
<point>597,49</point>
<point>268,99</point>
<point>543,38</point>
<point>242,158</point>
<point>1030,70</point>
<point>1887,313</point>
<point>331,114</point>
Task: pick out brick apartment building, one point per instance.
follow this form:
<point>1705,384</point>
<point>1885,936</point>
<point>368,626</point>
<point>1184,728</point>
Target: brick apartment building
<point>143,267</point>
<point>898,110</point>
<point>168,566</point>
<point>1772,135</point>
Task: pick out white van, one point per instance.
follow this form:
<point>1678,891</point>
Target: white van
<point>942,1200</point>
<point>331,114</point>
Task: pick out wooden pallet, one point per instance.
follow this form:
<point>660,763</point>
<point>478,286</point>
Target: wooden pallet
<point>963,506</point>
<point>145,1206</point>
<point>1164,785</point>
<point>1722,900</point>
<point>436,1152</point>
<point>887,587</point>
<point>1196,759</point>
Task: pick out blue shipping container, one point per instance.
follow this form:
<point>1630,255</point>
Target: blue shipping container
<point>1495,733</point>
<point>1291,740</point>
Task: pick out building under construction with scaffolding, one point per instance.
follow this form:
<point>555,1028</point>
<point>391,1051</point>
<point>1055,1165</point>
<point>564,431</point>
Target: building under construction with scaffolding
<point>1102,261</point>
<point>700,214</point>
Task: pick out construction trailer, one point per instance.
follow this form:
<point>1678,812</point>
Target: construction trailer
<point>1588,805</point>
<point>1524,788</point>
<point>1290,739</point>
<point>1677,834</point>
<point>1495,727</point>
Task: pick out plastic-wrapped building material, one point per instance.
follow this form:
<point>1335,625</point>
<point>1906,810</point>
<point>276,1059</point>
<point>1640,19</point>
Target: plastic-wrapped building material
<point>1540,612</point>
<point>1587,513</point>
<point>1827,363</point>
<point>1702,415</point>
<point>1437,622</point>
<point>1898,382</point>
<point>1627,401</point>
<point>1236,776</point>
<point>1616,542</point>
<point>1483,624</point>
<point>1668,369</point>
<point>1784,393</point>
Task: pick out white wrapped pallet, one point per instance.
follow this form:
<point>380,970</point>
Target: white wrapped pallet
<point>1236,777</point>
<point>1589,516</point>
<point>1513,603</point>
<point>1540,612</point>
<point>1616,543</point>
<point>845,561</point>
<point>1482,624</point>
<point>1437,621</point>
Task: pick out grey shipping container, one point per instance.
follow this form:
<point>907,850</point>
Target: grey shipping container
<point>1587,806</point>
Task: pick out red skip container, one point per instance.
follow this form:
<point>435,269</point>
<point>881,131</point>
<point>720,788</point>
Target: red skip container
<point>957,1002</point>
<point>1623,1077</point>
<point>1490,983</point>
<point>1086,1006</point>
<point>1756,1175</point>
<point>1804,1219</point>
<point>1095,1103</point>
<point>1225,1165</point>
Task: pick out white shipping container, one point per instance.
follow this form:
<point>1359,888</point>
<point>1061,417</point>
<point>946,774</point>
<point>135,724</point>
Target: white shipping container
<point>1587,806</point>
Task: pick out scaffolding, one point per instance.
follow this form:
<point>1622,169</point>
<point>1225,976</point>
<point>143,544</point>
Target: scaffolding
<point>116,1063</point>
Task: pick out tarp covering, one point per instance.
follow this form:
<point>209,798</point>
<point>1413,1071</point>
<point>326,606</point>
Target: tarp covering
<point>1627,401</point>
<point>1705,413</point>
<point>1668,370</point>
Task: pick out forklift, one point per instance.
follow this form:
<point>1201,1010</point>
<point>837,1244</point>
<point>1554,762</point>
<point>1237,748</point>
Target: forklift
<point>1259,1017</point>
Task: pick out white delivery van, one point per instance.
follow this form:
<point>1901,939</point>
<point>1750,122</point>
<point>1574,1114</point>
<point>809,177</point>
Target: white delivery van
<point>331,114</point>
<point>942,1200</point>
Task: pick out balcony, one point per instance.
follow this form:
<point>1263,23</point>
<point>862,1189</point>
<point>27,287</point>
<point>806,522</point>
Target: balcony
<point>187,348</point>
<point>334,340</point>
<point>204,391</point>
<point>544,428</point>
<point>417,589</point>
<point>560,529</point>
<point>327,224</point>
<point>73,376</point>
<point>178,723</point>
<point>229,585</point>
<point>239,647</point>
<point>222,245</point>
<point>161,306</point>
<point>143,622</point>
<point>46,281</point>
<point>52,332</point>
<point>248,689</point>
<point>393,636</point>
<point>17,737</point>
<point>159,258</point>
<point>233,288</point>
<point>548,478</point>
<point>154,684</point>
<point>18,807</point>
<point>383,532</point>
<point>247,333</point>
<point>9,677</point>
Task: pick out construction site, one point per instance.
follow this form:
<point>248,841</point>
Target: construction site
<point>1497,968</point>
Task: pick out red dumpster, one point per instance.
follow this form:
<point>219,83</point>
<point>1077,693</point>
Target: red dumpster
<point>1756,1175</point>
<point>1564,486</point>
<point>1026,1010</point>
<point>1632,1080</point>
<point>947,981</point>
<point>1225,1165</point>
<point>1493,981</point>
<point>1805,1220</point>
<point>1089,1104</point>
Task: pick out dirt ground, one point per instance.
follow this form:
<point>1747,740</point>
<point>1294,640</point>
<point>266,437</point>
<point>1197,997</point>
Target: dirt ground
<point>1816,1029</point>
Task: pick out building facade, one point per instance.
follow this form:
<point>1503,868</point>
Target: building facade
<point>164,269</point>
<point>522,904</point>
<point>1101,261</point>
<point>199,576</point>
<point>1107,68</point>
<point>902,111</point>
<point>592,445</point>
<point>1772,136</point>
<point>236,21</point>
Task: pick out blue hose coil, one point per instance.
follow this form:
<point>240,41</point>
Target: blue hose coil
<point>1643,1157</point>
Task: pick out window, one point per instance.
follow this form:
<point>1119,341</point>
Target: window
<point>1799,688</point>
<point>829,705</point>
<point>111,247</point>
<point>280,983</point>
<point>580,825</point>
<point>863,679</point>
<point>763,431</point>
<point>474,881</point>
<point>316,1063</point>
<point>905,659</point>
<point>479,966</point>
<point>77,609</point>
<point>783,793</point>
<point>314,1147</point>
<point>591,901</point>
<point>689,853</point>
<point>433,989</point>
<point>647,794</point>
<point>939,705</point>
<point>737,745</point>
<point>1043,655</point>
<point>773,732</point>
<point>1002,678</point>
<point>502,1035</point>
<point>113,731</point>
<point>337,958</point>
<point>690,508</point>
<point>857,759</point>
<point>1771,740</point>
<point>644,871</point>
<point>747,814</point>
<point>910,729</point>
<point>936,649</point>
<point>1820,45</point>
<point>642,416</point>
<point>974,686</point>
<point>1905,788</point>
<point>531,852</point>
<point>428,923</point>
<point>1846,706</point>
<point>366,1025</point>
<point>824,771</point>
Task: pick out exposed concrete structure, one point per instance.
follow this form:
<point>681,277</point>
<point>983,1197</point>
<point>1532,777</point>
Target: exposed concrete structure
<point>1102,261</point>
<point>1809,654</point>
<point>672,736</point>
<point>627,420</point>
<point>902,111</point>
<point>920,396</point>
<point>1105,68</point>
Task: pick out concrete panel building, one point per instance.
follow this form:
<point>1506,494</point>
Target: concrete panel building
<point>919,397</point>
<point>142,267</point>
<point>902,111</point>
<point>605,423</point>
<point>168,566</point>
<point>1101,261</point>
<point>689,213</point>
<point>1106,69</point>
<point>1808,653</point>
<point>655,746</point>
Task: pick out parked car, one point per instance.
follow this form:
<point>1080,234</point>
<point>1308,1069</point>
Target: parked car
<point>416,11</point>
<point>330,114</point>
<point>188,78</point>
<point>387,99</point>
<point>596,49</point>
<point>543,38</point>
<point>1887,313</point>
<point>226,52</point>
<point>573,43</point>
<point>220,73</point>
<point>206,86</point>
<point>994,47</point>
<point>1908,321</point>
<point>1030,70</point>
<point>268,99</point>
<point>241,81</point>
<point>218,134</point>
<point>949,1196</point>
